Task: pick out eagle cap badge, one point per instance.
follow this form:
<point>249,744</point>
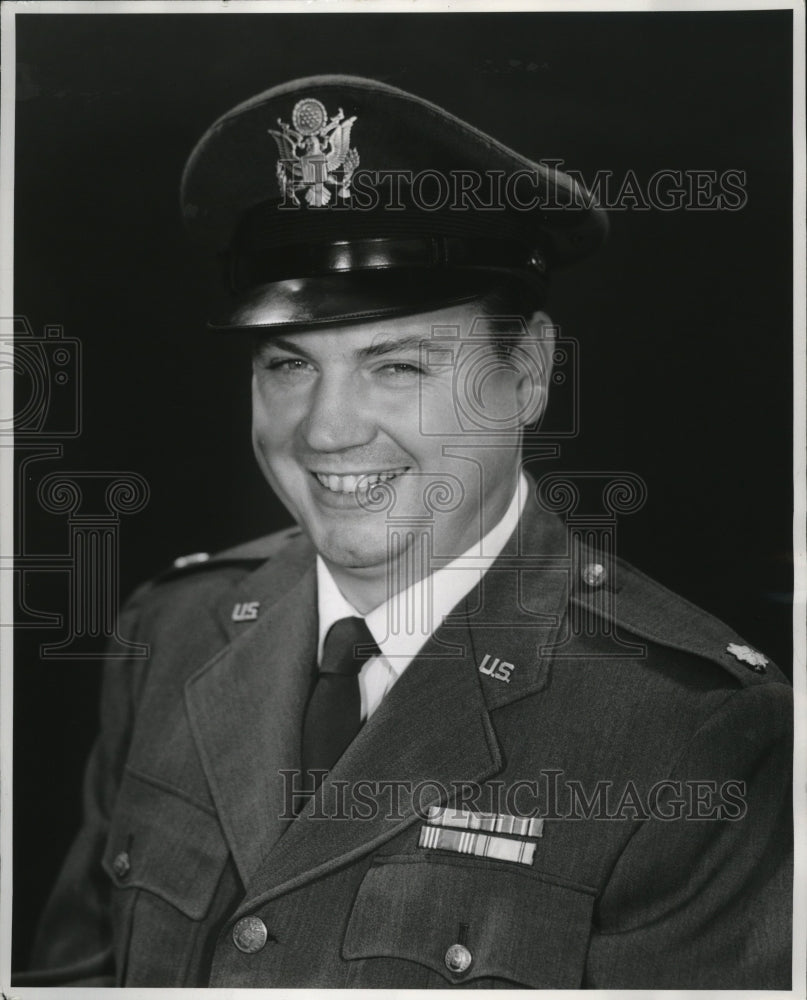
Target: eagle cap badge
<point>316,158</point>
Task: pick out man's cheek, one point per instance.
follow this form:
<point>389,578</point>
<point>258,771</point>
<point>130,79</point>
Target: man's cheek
<point>265,434</point>
<point>269,457</point>
<point>259,446</point>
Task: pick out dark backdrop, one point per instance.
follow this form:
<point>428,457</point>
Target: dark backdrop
<point>684,320</point>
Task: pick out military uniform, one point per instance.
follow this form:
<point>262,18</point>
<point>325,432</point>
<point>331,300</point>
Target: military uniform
<point>655,744</point>
<point>185,874</point>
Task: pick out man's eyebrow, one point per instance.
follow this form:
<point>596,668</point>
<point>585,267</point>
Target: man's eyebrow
<point>284,345</point>
<point>375,350</point>
<point>389,346</point>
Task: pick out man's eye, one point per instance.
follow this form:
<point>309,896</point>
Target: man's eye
<point>287,365</point>
<point>402,369</point>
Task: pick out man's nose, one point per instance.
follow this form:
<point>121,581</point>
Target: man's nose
<point>339,415</point>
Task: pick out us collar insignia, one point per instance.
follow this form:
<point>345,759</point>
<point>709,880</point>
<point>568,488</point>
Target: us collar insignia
<point>246,611</point>
<point>747,655</point>
<point>492,666</point>
<point>316,158</point>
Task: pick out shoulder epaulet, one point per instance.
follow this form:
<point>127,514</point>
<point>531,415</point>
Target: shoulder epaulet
<point>256,551</point>
<point>648,610</point>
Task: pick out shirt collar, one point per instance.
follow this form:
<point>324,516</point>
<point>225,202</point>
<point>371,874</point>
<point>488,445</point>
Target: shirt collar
<point>402,624</point>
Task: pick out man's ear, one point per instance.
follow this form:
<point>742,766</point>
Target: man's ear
<point>535,357</point>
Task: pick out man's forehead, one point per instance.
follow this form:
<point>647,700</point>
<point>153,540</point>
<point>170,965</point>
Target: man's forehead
<point>400,333</point>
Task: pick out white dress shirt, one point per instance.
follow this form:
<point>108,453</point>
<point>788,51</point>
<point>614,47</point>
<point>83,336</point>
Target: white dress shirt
<point>402,624</point>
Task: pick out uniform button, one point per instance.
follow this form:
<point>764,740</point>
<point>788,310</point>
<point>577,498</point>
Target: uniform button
<point>458,958</point>
<point>249,935</point>
<point>593,575</point>
<point>121,865</point>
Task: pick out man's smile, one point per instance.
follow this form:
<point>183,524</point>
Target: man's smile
<point>356,482</point>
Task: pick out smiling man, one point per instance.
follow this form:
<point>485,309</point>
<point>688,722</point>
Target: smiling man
<point>432,736</point>
<point>338,427</point>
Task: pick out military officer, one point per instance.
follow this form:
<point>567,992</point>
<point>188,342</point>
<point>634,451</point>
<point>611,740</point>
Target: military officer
<point>431,736</point>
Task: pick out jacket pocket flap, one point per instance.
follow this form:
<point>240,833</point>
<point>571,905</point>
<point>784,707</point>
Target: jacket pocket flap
<point>515,925</point>
<point>163,843</point>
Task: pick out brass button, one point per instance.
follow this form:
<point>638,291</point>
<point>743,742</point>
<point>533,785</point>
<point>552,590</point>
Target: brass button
<point>121,866</point>
<point>249,935</point>
<point>458,959</point>
<point>593,575</point>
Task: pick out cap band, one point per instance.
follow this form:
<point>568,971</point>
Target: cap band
<point>245,270</point>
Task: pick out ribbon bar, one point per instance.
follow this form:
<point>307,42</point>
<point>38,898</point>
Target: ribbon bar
<point>481,845</point>
<point>464,819</point>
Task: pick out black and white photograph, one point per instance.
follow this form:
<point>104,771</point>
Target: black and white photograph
<point>402,553</point>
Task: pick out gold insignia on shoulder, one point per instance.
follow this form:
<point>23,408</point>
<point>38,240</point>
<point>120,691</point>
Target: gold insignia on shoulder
<point>191,560</point>
<point>315,154</point>
<point>745,654</point>
<point>593,575</point>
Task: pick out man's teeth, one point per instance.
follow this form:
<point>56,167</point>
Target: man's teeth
<point>350,484</point>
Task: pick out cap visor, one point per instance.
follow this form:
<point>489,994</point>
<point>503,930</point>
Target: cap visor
<point>351,298</point>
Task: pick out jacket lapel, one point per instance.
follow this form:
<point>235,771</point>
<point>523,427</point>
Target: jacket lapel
<point>431,728</point>
<point>433,731</point>
<point>246,704</point>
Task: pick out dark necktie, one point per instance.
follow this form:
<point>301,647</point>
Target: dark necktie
<point>333,715</point>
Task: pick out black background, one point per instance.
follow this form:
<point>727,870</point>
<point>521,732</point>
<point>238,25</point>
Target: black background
<point>684,320</point>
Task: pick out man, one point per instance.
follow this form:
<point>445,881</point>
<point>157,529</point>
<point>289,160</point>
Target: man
<point>431,737</point>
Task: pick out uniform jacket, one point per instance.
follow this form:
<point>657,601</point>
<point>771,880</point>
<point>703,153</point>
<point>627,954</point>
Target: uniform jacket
<point>615,683</point>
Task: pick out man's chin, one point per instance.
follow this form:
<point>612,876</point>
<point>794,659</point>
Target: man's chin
<point>358,555</point>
